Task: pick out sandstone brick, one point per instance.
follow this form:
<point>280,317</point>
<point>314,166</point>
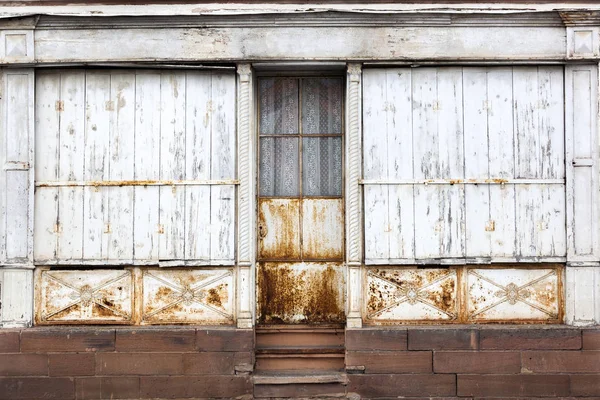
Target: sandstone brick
<point>227,386</point>
<point>23,365</point>
<point>378,362</point>
<point>477,362</point>
<point>221,363</point>
<point>9,342</point>
<point>139,364</point>
<point>224,340</point>
<point>81,364</point>
<point>561,361</point>
<point>67,340</point>
<point>443,339</point>
<point>530,339</point>
<point>377,339</point>
<point>585,385</point>
<point>151,340</point>
<point>93,388</point>
<point>591,339</point>
<point>243,357</point>
<point>375,386</point>
<point>512,385</point>
<point>37,388</point>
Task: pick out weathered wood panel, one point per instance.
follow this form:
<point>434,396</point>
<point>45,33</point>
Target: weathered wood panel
<point>343,43</point>
<point>582,163</point>
<point>487,147</point>
<point>135,166</point>
<point>16,162</point>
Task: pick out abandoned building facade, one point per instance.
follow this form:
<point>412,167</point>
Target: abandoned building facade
<point>281,200</point>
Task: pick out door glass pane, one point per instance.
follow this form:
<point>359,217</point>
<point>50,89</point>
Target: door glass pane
<point>322,166</point>
<point>321,105</point>
<point>279,169</point>
<point>278,106</point>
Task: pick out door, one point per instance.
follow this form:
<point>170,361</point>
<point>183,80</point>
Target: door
<point>300,202</point>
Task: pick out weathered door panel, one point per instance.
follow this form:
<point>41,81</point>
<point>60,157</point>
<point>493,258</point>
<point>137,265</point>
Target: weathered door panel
<point>322,229</point>
<point>279,229</point>
<point>300,293</point>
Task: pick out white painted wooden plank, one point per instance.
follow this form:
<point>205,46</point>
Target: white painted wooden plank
<point>450,130</point>
<point>583,296</point>
<point>223,166</point>
<point>501,160</point>
<point>122,144</point>
<point>47,143</point>
<point>400,163</point>
<point>17,116</point>
<point>476,159</point>
<point>97,138</point>
<point>375,123</point>
<point>17,298</point>
<point>401,221</point>
<point>377,245</point>
<point>223,126</point>
<point>222,216</point>
<point>172,199</point>
<point>71,165</point>
<point>147,164</point>
<point>198,164</point>
<point>375,152</point>
<point>425,123</point>
<point>551,122</point>
<point>526,120</point>
<point>17,215</point>
<point>540,212</point>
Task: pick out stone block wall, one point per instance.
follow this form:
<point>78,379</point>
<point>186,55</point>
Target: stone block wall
<point>474,363</point>
<point>108,363</point>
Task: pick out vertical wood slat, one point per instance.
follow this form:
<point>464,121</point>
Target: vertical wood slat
<point>582,163</point>
<point>509,114</point>
<point>120,125</point>
<point>17,163</point>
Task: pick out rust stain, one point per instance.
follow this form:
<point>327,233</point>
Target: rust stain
<point>300,295</point>
<point>280,239</point>
<point>59,105</point>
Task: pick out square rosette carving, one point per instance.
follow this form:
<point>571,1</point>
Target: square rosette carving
<point>411,294</point>
<point>200,296</point>
<point>84,296</point>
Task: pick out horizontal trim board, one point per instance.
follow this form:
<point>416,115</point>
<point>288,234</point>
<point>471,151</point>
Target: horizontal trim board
<point>465,181</point>
<point>137,183</point>
<point>344,43</point>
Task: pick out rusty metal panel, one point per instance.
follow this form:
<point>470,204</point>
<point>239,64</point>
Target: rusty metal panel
<point>411,294</point>
<point>513,295</point>
<point>322,229</point>
<point>175,296</point>
<point>84,296</point>
<point>279,229</point>
<point>300,293</point>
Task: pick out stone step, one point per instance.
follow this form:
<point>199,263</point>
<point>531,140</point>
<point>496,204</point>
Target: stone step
<point>299,336</point>
<point>307,385</point>
<point>302,361</point>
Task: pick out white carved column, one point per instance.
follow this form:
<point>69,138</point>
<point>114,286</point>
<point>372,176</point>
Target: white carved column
<point>246,165</point>
<point>353,194</point>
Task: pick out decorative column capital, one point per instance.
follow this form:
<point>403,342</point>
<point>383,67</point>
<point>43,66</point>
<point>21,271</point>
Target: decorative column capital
<point>245,72</point>
<point>354,72</point>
